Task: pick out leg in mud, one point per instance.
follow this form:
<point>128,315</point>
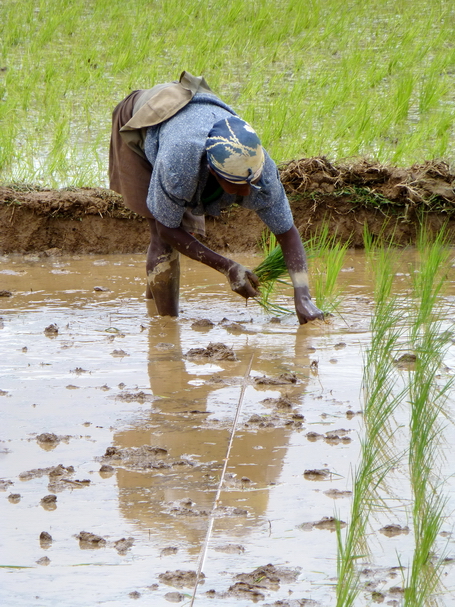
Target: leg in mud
<point>163,274</point>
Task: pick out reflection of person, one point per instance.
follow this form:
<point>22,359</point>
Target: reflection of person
<point>178,153</point>
<point>147,495</point>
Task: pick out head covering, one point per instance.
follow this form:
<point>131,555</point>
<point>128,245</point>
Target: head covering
<point>234,151</point>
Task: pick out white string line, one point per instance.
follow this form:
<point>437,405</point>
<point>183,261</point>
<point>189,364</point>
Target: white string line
<point>203,554</point>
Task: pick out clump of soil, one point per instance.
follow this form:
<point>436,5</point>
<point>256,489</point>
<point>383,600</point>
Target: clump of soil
<point>52,471</point>
<point>278,419</point>
<point>45,540</point>
<point>252,585</point>
<point>317,475</point>
<point>169,550</point>
<point>51,330</point>
<point>5,484</point>
<point>180,579</point>
<point>336,493</point>
<point>144,457</point>
<point>230,549</point>
<point>49,440</point>
<point>203,323</point>
<point>283,379</point>
<point>123,545</point>
<point>236,327</point>
<point>328,523</point>
<point>134,397</point>
<point>49,502</point>
<point>174,597</point>
<point>333,437</point>
<point>394,530</point>
<point>269,576</point>
<point>186,508</point>
<point>213,351</point>
<point>90,541</point>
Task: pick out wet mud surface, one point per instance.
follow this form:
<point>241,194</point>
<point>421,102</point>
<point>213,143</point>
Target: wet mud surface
<point>390,200</point>
<point>115,425</point>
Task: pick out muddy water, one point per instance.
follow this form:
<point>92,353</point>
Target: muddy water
<point>104,408</point>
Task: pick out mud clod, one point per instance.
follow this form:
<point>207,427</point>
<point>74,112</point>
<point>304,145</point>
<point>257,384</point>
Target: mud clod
<point>180,579</point>
<point>45,540</point>
<point>230,549</point>
<point>317,475</point>
<point>134,397</point>
<point>106,470</point>
<point>48,438</point>
<point>394,530</point>
<point>49,502</point>
<point>245,590</point>
<point>174,597</point>
<point>90,541</point>
<point>269,576</point>
<point>5,484</point>
<point>140,458</point>
<point>169,550</point>
<point>284,378</point>
<point>218,351</point>
<point>51,330</point>
<point>123,545</point>
<point>202,323</point>
<point>336,493</point>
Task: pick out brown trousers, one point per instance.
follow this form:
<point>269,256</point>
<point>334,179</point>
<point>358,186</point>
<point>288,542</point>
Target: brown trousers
<point>130,173</point>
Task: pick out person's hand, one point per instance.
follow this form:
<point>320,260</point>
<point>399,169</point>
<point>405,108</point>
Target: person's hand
<point>243,281</point>
<point>305,308</point>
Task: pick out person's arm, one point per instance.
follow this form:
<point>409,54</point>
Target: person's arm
<point>295,259</point>
<point>241,280</point>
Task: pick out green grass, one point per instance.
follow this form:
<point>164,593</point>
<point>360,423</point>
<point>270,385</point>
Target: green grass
<point>335,78</point>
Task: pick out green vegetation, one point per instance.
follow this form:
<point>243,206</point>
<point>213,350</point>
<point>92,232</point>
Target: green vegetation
<point>327,257</point>
<point>335,78</point>
<point>427,397</point>
<point>420,325</point>
<point>381,398</point>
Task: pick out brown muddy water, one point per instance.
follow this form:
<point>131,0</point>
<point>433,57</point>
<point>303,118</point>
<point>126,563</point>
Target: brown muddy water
<point>113,439</point>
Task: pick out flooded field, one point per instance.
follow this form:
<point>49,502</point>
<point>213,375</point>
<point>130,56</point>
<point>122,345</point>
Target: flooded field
<point>115,426</point>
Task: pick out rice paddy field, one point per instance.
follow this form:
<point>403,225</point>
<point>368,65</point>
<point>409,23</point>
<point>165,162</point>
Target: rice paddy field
<point>229,456</point>
<point>340,79</point>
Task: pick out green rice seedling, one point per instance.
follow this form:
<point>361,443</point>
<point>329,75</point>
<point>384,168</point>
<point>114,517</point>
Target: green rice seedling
<point>427,398</point>
<point>328,257</point>
<point>324,276</point>
<point>381,398</point>
<point>270,271</point>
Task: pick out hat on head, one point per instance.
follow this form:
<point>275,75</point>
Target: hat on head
<point>234,151</point>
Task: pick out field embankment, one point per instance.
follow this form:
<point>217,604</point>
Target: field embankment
<point>391,201</point>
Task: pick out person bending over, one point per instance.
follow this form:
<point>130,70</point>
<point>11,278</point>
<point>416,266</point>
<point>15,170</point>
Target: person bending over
<point>178,153</point>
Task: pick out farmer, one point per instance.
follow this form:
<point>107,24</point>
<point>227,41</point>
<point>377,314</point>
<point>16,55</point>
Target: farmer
<point>178,153</point>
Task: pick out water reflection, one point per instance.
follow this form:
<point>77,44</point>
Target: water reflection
<point>192,421</point>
